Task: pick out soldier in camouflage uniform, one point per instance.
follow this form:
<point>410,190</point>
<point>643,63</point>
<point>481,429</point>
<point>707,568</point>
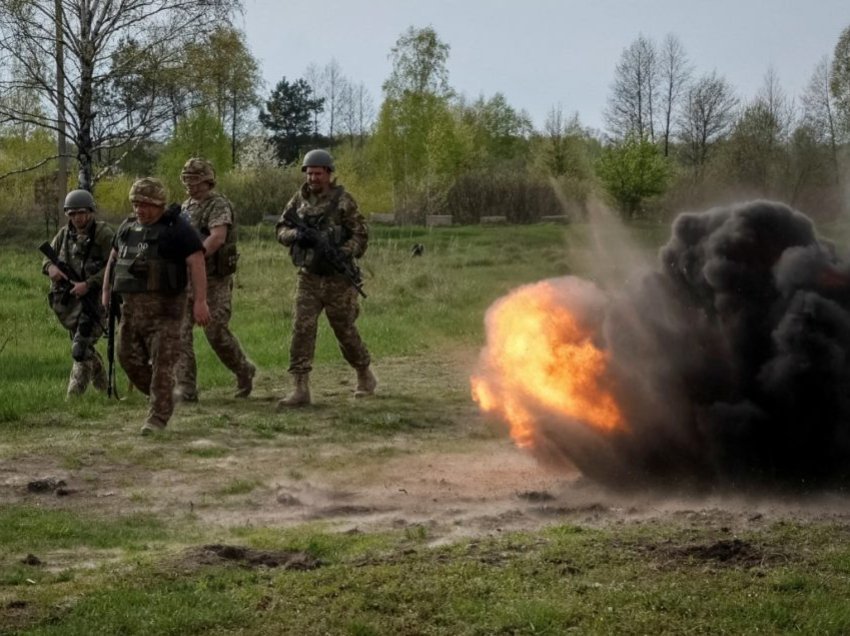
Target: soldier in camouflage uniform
<point>84,245</point>
<point>211,214</point>
<point>326,210</point>
<point>151,253</point>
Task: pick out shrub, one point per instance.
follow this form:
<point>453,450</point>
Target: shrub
<point>256,192</point>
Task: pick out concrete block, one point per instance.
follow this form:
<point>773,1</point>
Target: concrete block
<point>433,220</point>
<point>382,219</point>
<point>494,220</point>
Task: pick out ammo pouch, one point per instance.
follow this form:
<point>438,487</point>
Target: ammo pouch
<point>311,260</point>
<point>223,262</point>
<point>67,308</point>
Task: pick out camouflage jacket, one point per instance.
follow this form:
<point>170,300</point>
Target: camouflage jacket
<point>334,212</point>
<point>214,211</point>
<point>86,252</point>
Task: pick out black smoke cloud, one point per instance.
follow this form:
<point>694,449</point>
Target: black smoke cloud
<point>730,361</point>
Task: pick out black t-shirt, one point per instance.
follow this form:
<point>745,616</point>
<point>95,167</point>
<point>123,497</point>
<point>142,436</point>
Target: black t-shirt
<point>178,240</point>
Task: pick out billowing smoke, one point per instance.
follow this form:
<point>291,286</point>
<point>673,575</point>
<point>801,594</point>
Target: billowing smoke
<point>730,362</point>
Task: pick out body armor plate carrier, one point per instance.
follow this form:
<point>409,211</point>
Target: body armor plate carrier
<point>140,266</point>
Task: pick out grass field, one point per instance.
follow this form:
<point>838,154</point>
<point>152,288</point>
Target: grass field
<point>408,513</point>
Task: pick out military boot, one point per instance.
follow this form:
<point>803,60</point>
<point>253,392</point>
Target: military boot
<point>245,381</point>
<point>366,383</point>
<point>79,380</point>
<point>300,396</point>
<point>98,379</point>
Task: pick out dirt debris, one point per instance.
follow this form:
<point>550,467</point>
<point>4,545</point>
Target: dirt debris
<point>216,554</point>
<point>31,559</point>
<point>47,484</point>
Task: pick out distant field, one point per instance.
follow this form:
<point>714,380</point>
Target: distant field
<point>405,514</point>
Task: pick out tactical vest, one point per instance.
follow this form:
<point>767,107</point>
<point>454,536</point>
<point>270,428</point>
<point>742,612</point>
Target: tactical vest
<point>82,251</point>
<point>223,261</point>
<point>140,267</point>
<point>324,216</point>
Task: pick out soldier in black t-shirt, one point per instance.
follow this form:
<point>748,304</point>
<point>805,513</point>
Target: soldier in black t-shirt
<point>151,253</point>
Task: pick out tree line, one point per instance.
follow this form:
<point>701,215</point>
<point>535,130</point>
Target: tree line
<point>116,90</point>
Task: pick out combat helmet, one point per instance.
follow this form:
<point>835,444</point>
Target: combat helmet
<point>77,199</point>
<point>197,170</point>
<point>318,157</point>
<point>148,190</point>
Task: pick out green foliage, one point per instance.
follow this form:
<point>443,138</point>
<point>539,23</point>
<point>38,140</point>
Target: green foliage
<point>840,78</point>
<point>199,134</point>
<point>419,61</point>
<point>418,141</point>
<point>142,160</point>
<point>288,115</point>
<point>753,155</point>
<point>359,171</point>
<point>225,72</point>
<point>499,132</point>
<point>261,191</point>
<point>401,147</point>
<point>112,197</point>
<point>21,147</point>
<point>505,190</point>
<point>631,172</point>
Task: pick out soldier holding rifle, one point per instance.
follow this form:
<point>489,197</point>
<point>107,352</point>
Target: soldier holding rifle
<point>75,262</point>
<point>325,233</point>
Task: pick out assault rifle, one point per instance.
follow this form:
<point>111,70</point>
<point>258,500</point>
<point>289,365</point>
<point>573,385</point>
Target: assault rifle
<point>88,301</point>
<point>328,250</point>
<point>113,316</point>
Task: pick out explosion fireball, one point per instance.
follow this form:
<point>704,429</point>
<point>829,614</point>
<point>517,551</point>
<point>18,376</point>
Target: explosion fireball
<point>537,351</point>
<point>728,367</point>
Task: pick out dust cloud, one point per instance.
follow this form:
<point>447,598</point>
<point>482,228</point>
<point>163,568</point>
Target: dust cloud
<point>729,357</point>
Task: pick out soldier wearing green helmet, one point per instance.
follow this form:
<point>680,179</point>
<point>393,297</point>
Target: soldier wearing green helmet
<point>211,214</point>
<point>83,244</point>
<point>326,215</point>
<point>156,252</point>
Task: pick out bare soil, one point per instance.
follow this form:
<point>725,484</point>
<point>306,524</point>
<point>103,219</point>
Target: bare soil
<point>483,488</point>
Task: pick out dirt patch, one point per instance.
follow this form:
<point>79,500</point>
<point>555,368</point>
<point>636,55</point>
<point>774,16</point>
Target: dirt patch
<point>217,554</point>
<point>732,552</point>
<point>457,488</point>
<point>725,552</point>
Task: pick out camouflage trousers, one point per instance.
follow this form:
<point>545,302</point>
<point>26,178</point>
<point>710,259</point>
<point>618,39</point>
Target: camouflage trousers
<point>84,331</point>
<point>89,370</point>
<point>221,339</point>
<point>335,295</point>
<point>148,348</point>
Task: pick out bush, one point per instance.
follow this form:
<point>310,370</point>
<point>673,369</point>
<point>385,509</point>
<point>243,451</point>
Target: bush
<point>256,192</point>
<point>112,196</point>
<point>513,194</point>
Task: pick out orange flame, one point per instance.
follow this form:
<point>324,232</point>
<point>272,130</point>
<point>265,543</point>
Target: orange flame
<point>537,355</point>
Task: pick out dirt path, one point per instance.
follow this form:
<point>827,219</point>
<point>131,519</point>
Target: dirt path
<point>485,488</point>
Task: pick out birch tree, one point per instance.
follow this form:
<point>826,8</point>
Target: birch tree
<point>108,47</point>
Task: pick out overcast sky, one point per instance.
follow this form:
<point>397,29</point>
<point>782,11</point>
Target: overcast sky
<point>542,53</point>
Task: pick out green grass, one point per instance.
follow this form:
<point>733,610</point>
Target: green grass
<point>26,528</point>
<point>118,558</point>
<point>563,580</point>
